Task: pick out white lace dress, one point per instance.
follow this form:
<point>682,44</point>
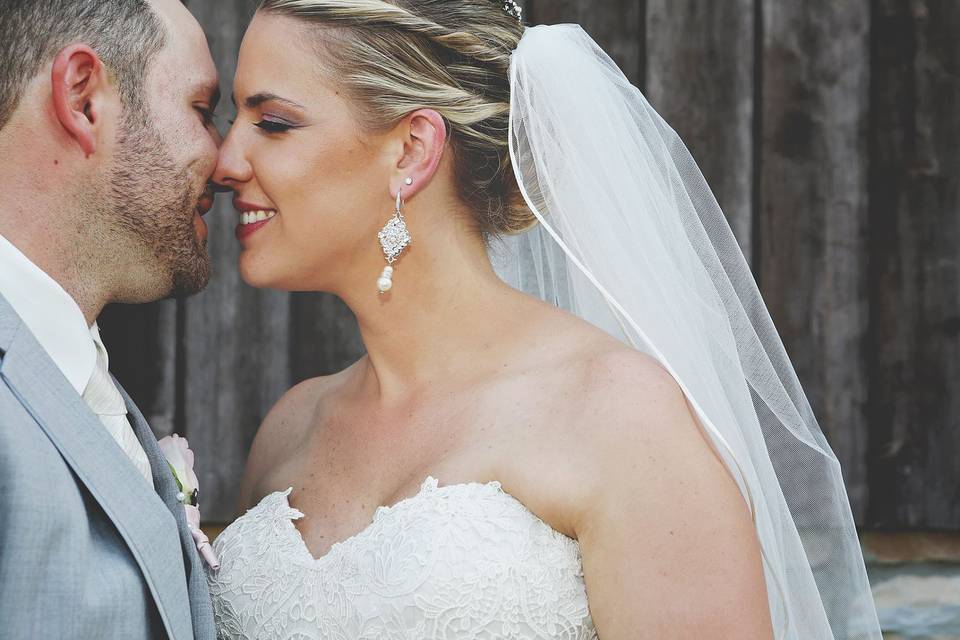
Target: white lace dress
<point>463,561</point>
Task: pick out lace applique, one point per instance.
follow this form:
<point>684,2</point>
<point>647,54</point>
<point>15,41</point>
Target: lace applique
<point>454,562</point>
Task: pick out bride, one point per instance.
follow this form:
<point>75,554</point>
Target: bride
<point>626,453</point>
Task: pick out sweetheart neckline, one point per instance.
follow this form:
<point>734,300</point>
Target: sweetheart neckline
<point>429,486</point>
<point>411,554</point>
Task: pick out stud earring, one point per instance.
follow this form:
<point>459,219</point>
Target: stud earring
<point>394,238</point>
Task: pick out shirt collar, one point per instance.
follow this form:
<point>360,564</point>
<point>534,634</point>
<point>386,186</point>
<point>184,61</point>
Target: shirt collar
<point>51,314</point>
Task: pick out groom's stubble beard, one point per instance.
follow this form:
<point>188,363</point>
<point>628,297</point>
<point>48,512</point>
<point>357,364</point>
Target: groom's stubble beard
<point>150,208</point>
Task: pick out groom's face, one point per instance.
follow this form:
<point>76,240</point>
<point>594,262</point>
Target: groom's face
<point>165,153</point>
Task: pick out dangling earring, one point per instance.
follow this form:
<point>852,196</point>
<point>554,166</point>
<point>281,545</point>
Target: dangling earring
<point>394,238</point>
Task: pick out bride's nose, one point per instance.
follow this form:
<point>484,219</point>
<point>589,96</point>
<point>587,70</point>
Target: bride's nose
<point>233,167</point>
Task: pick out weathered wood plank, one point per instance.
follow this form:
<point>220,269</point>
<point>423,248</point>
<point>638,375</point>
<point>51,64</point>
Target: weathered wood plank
<point>616,25</point>
<point>236,340</point>
<point>324,336</point>
<point>141,340</point>
<point>915,259</point>
<point>813,210</point>
<point>242,348</point>
<point>700,78</point>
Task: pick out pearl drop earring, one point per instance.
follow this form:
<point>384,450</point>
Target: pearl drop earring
<point>394,238</point>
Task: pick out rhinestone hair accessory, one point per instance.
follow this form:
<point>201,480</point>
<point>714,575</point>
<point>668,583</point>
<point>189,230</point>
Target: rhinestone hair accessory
<point>514,9</point>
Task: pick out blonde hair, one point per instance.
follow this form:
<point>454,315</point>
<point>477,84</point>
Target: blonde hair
<point>452,56</point>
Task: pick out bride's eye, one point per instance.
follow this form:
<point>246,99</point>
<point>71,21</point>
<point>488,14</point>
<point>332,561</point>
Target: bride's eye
<point>273,126</point>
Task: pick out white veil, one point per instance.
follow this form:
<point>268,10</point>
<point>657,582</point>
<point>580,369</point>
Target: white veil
<point>632,240</point>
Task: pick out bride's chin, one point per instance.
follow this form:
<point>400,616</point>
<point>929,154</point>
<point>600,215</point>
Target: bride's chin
<point>252,275</point>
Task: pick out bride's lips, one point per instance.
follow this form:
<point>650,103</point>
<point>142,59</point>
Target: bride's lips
<point>244,231</point>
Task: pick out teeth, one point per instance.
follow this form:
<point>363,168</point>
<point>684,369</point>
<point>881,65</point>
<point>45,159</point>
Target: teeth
<point>250,217</point>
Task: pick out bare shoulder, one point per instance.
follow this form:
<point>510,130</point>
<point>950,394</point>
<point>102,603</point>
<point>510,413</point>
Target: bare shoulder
<point>643,431</point>
<point>651,474</point>
<point>626,389</point>
<point>281,434</point>
<point>295,409</point>
<point>612,401</point>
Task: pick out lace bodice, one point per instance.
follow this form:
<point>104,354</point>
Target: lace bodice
<point>464,561</point>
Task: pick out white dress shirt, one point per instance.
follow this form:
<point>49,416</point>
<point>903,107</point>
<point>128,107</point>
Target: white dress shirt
<point>56,321</point>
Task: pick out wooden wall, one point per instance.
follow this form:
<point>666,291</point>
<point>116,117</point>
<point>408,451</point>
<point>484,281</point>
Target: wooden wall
<point>830,132</point>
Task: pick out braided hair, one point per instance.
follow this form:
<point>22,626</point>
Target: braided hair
<point>394,57</point>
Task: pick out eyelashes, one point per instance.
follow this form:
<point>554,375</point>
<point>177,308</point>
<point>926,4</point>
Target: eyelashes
<point>209,119</point>
<point>270,126</point>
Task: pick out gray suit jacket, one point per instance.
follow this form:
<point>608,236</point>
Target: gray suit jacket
<point>87,548</point>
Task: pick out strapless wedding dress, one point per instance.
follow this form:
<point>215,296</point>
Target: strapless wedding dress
<point>462,561</point>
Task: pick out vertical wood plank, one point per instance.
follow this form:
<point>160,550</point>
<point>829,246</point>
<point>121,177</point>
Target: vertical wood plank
<point>141,340</point>
<point>242,348</point>
<point>915,253</point>
<point>324,336</point>
<point>236,339</point>
<point>813,210</point>
<point>616,25</point>
<point>700,78</point>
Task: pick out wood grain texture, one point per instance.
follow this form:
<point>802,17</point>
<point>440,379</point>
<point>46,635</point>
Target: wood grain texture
<point>324,336</point>
<point>700,79</point>
<point>915,259</point>
<point>616,25</point>
<point>813,210</point>
<point>236,341</point>
<point>141,340</point>
<point>830,131</point>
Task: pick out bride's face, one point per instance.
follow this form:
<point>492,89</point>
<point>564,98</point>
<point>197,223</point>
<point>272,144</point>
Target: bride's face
<point>297,153</point>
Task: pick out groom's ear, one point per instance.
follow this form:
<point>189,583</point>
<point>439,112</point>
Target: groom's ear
<point>80,90</point>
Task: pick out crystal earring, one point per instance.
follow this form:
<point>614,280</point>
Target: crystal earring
<point>394,238</point>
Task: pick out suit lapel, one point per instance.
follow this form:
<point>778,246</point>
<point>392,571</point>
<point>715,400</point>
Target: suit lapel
<point>163,482</point>
<point>201,609</point>
<point>138,512</point>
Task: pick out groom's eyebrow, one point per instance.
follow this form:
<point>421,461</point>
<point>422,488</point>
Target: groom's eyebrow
<point>254,101</point>
<point>209,90</point>
<point>215,96</point>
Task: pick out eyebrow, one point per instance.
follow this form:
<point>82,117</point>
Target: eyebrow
<point>254,101</point>
<point>212,90</point>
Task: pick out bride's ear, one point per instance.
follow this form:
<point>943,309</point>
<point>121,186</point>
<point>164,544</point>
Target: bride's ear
<point>424,136</point>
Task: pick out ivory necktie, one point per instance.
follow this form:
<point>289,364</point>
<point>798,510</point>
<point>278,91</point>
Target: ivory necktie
<point>103,398</point>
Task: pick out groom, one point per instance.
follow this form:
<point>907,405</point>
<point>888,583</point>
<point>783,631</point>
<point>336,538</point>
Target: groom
<point>106,145</point>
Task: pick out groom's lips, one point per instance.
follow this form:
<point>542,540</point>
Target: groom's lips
<point>205,203</point>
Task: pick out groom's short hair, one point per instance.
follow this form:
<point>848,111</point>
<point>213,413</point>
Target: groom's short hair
<point>126,34</point>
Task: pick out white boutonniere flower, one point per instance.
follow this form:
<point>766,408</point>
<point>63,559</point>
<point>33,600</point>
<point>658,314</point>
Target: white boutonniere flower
<point>180,460</point>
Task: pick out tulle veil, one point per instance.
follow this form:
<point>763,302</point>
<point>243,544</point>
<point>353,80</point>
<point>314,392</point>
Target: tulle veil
<point>632,239</point>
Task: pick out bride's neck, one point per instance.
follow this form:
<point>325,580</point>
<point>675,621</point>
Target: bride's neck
<point>444,317</point>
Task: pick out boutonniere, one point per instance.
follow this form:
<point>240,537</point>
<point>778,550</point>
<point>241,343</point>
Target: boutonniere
<point>180,460</point>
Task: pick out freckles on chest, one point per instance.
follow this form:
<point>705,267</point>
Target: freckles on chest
<point>329,519</point>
